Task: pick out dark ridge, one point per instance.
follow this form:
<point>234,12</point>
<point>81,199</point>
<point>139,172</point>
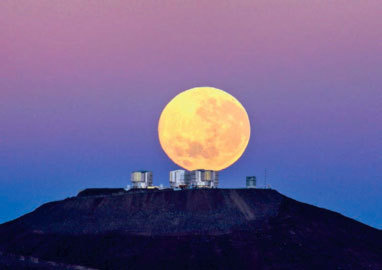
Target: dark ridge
<point>11,262</point>
<point>193,229</point>
<point>101,192</point>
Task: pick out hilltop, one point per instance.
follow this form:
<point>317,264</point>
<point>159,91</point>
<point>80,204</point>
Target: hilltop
<point>192,229</point>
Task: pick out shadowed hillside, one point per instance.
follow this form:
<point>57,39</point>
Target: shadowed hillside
<point>192,229</point>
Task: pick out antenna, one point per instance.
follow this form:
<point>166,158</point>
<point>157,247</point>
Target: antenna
<point>265,178</point>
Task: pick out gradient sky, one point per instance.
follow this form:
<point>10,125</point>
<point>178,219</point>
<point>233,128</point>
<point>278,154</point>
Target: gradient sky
<point>83,83</point>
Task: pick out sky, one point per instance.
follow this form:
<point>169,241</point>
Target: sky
<point>83,83</point>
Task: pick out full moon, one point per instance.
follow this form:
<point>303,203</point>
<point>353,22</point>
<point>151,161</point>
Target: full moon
<point>204,128</point>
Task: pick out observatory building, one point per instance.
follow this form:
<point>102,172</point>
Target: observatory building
<point>204,179</point>
<point>179,179</point>
<point>142,179</point>
<point>194,179</point>
<point>251,181</point>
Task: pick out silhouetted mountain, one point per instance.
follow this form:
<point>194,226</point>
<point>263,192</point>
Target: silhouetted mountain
<point>101,191</point>
<point>189,229</point>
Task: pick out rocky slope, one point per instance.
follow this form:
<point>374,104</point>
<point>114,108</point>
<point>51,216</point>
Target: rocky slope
<point>192,229</point>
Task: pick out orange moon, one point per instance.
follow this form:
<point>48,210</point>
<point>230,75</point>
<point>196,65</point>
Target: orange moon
<point>204,128</point>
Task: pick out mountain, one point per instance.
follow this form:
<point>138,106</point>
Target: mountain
<point>188,229</point>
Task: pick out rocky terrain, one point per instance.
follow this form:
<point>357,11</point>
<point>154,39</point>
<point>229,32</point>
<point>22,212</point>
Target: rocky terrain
<point>188,229</point>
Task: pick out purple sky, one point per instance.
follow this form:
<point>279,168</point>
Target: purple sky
<point>82,85</point>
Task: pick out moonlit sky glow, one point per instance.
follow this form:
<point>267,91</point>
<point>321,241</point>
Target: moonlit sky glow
<point>83,83</point>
